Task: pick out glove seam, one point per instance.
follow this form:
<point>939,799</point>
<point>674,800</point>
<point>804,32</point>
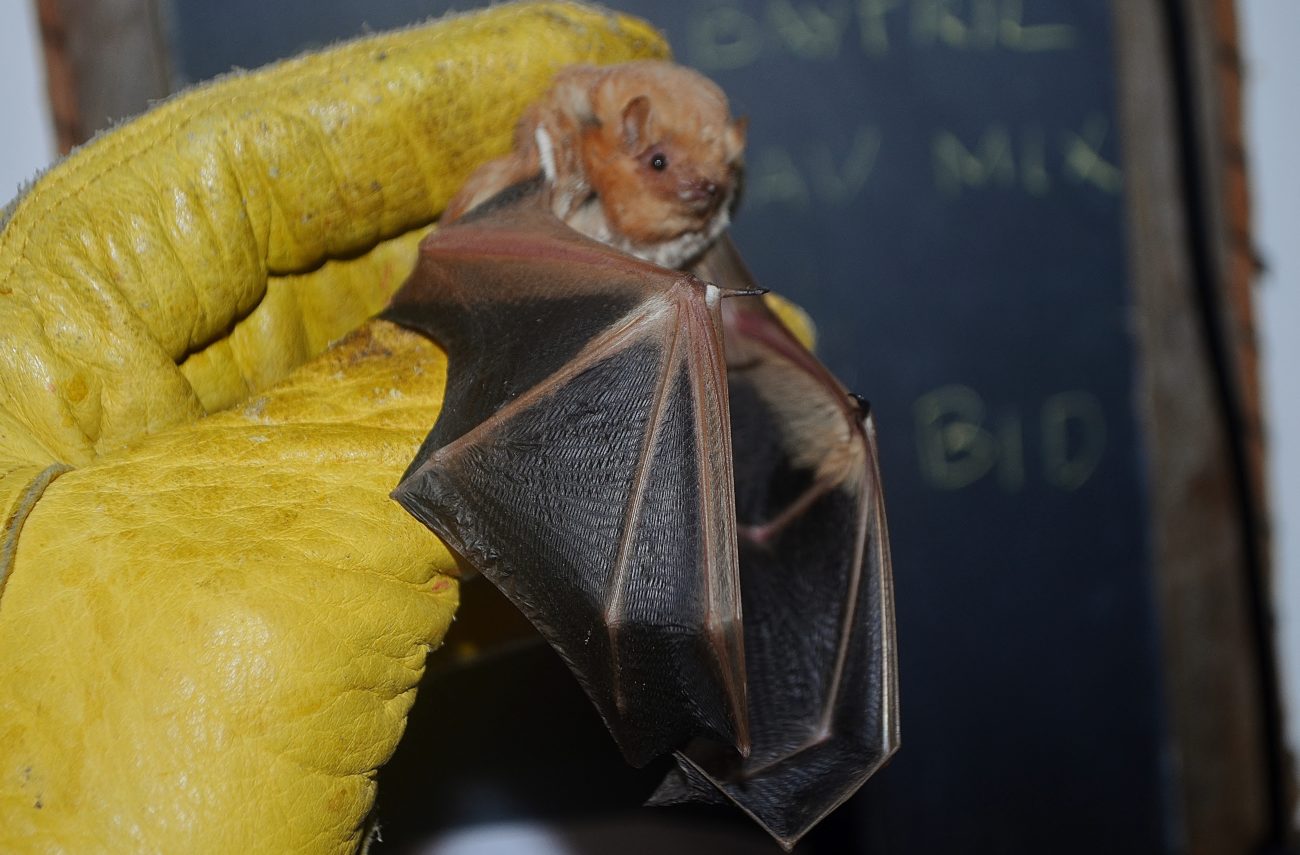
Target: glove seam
<point>13,526</point>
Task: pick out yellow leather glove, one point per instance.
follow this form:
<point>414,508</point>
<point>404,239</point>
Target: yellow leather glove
<point>212,618</point>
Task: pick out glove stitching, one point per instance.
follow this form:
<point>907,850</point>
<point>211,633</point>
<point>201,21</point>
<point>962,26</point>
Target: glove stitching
<point>13,527</point>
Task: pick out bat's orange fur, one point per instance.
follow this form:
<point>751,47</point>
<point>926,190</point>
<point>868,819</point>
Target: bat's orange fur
<point>644,156</point>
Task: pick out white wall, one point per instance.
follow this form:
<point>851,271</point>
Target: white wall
<point>1269,29</point>
<point>27,136</point>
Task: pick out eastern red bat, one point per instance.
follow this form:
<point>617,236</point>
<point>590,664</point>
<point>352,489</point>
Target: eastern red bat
<point>637,455</point>
<point>642,156</point>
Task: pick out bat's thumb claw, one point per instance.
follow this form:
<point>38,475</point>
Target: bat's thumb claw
<point>744,292</point>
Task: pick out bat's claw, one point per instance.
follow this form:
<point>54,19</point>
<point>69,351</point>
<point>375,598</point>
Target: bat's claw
<point>756,291</point>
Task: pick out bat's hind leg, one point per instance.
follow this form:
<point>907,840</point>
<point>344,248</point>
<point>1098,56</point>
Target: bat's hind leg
<point>762,534</point>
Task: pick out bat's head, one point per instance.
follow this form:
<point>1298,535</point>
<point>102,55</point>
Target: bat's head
<point>664,157</point>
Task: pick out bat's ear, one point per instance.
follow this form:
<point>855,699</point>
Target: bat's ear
<point>736,138</point>
<point>636,123</point>
<point>572,93</point>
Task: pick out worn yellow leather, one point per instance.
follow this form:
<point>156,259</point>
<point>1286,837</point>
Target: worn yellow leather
<point>212,618</point>
<point>796,320</point>
<point>211,638</point>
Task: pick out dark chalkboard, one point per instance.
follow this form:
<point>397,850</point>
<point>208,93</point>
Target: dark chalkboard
<point>943,191</point>
<point>940,185</point>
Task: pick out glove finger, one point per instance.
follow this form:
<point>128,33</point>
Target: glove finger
<point>213,638</point>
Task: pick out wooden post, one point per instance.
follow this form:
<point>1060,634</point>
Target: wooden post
<point>1191,267</point>
<point>105,61</point>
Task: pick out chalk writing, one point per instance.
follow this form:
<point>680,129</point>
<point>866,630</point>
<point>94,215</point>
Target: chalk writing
<point>810,30</point>
<point>820,175</point>
<point>773,176</point>
<point>959,444</point>
<point>1074,437</point>
<point>1000,158</point>
<point>724,37</point>
<point>984,25</point>
<point>734,34</point>
<point>954,447</point>
<point>1083,159</point>
<point>872,30</point>
<point>991,163</point>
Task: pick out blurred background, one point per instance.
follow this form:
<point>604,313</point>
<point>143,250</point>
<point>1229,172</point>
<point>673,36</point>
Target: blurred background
<point>1050,240</point>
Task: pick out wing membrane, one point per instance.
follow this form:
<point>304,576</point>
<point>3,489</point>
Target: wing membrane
<point>585,481</point>
<point>817,582</point>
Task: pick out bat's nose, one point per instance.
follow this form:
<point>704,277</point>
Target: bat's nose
<point>702,192</point>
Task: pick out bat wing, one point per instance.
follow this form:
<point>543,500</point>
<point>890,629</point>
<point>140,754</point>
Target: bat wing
<point>582,462</point>
<point>817,583</point>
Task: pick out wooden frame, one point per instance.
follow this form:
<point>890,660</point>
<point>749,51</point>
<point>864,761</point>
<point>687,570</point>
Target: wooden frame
<point>106,60</point>
<point>1191,268</point>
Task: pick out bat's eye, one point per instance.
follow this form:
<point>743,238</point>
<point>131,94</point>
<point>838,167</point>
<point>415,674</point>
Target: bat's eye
<point>658,162</point>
